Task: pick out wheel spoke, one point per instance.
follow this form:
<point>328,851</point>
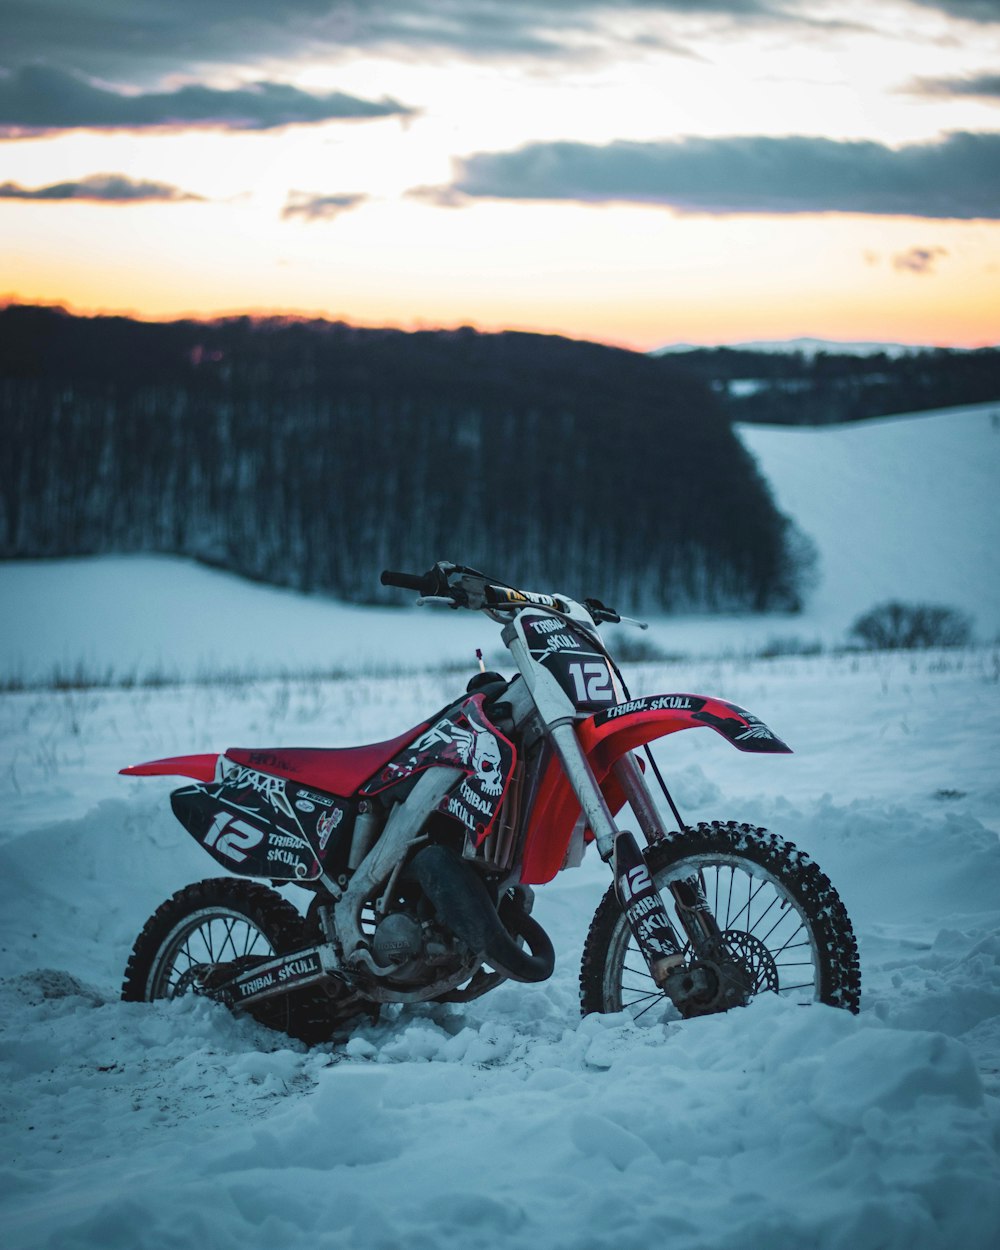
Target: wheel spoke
<point>781,949</point>
<point>228,941</point>
<point>648,1007</point>
<point>641,998</point>
<point>731,924</point>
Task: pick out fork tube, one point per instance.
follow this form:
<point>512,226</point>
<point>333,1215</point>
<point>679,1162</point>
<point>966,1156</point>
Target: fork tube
<point>636,890</point>
<point>688,893</point>
<point>632,781</point>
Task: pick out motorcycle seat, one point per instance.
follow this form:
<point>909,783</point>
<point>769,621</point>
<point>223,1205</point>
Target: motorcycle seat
<point>334,770</point>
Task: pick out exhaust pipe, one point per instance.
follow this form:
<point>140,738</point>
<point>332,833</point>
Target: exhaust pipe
<point>463,903</point>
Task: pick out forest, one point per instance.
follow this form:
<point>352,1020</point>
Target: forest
<point>312,454</point>
<point>818,388</point>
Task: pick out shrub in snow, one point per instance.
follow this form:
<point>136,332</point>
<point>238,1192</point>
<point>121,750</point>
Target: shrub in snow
<point>893,625</point>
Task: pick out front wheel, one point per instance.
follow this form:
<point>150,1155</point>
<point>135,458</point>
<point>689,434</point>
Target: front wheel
<point>782,926</point>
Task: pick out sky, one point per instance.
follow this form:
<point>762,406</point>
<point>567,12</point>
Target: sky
<point>639,172</point>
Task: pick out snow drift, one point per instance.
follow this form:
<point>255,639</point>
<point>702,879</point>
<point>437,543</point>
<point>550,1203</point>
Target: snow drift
<point>511,1122</point>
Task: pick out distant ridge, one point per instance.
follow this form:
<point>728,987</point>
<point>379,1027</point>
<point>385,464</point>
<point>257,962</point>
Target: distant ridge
<point>808,347</point>
<point>812,381</point>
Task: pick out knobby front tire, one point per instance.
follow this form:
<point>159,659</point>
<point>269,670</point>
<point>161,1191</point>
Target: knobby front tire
<point>757,885</point>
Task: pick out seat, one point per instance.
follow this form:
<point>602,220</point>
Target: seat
<point>335,770</point>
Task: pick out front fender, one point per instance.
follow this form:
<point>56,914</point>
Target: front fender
<point>607,735</point>
<point>605,738</point>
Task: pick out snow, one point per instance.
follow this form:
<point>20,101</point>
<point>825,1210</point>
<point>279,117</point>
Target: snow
<point>164,616</point>
<point>899,508</point>
<point>511,1122</point>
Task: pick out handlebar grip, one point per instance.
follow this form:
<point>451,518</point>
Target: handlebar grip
<point>600,612</point>
<point>422,583</point>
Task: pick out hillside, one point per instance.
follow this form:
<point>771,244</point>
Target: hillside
<point>899,508</point>
<point>902,508</point>
<point>310,455</point>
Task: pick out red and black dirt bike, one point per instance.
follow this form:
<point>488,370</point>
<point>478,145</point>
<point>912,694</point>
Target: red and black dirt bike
<point>421,852</point>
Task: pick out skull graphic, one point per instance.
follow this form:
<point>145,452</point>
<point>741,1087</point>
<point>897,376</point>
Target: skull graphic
<point>486,761</point>
<point>481,749</point>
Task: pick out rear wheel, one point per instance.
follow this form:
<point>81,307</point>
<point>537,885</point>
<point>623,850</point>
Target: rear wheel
<point>209,932</point>
<point>783,929</point>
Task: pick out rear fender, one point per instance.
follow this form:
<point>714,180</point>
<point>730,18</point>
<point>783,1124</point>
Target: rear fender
<point>200,767</point>
<point>606,737</point>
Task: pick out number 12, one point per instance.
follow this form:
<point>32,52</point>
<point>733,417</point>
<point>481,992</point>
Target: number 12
<point>592,682</point>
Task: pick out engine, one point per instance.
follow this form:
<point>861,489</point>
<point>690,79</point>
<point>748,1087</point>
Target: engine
<point>398,939</point>
<point>417,950</point>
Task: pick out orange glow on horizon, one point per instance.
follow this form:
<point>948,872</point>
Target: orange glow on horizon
<point>649,277</point>
<point>708,329</point>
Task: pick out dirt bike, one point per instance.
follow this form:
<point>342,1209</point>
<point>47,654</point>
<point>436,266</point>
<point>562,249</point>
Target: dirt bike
<point>421,852</point>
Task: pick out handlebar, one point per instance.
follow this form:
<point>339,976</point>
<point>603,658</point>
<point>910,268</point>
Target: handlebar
<point>432,583</point>
<point>469,588</point>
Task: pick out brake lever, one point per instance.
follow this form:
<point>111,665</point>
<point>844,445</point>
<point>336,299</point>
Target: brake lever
<point>429,600</point>
<point>631,620</point>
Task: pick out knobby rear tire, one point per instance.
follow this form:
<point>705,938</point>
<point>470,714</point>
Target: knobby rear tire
<point>778,871</point>
<point>267,924</point>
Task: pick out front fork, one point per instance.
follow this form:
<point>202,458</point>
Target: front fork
<point>637,893</point>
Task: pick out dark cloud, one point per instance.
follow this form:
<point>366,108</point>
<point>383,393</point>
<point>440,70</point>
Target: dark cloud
<point>37,99</point>
<point>319,207</point>
<point>919,260</point>
<point>955,177</point>
<point>971,10</point>
<point>141,40</point>
<point>979,86</point>
<point>101,188</point>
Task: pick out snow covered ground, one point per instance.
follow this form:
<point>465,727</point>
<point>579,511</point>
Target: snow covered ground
<point>510,1122</point>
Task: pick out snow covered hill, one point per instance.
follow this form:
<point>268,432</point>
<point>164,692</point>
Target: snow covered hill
<point>509,1122</point>
<point>902,507</point>
<point>905,507</point>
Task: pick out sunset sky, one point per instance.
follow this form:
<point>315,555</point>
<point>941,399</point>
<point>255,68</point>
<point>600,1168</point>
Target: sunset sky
<point>635,172</point>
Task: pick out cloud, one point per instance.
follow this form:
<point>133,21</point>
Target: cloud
<point>37,99</point>
<point>918,259</point>
<point>972,10</point>
<point>122,39</point>
<point>979,86</point>
<point>319,207</point>
<point>142,40</point>
<point>955,177</point>
<point>100,188</point>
